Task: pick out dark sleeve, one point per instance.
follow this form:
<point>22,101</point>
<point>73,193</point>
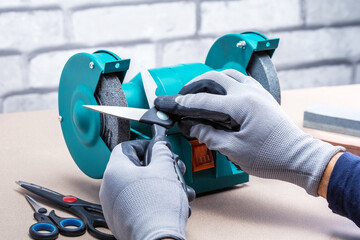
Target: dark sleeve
<point>343,193</point>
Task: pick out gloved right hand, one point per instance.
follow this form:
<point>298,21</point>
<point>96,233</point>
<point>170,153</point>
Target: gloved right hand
<point>263,141</point>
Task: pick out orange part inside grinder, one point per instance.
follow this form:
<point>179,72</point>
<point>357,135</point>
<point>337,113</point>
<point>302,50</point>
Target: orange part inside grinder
<point>202,157</point>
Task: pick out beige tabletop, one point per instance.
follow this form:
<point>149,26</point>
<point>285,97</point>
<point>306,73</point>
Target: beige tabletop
<point>32,149</point>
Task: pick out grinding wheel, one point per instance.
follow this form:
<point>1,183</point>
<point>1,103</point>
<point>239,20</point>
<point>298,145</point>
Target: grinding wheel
<point>263,70</point>
<point>109,92</point>
<point>92,79</point>
<point>249,53</point>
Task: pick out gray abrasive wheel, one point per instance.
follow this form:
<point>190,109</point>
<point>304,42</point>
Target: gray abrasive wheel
<point>109,92</point>
<point>263,70</point>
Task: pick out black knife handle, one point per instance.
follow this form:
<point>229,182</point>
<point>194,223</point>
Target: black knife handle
<point>154,116</point>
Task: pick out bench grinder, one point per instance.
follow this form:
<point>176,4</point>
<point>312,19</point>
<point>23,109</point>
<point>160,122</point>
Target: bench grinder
<point>97,79</point>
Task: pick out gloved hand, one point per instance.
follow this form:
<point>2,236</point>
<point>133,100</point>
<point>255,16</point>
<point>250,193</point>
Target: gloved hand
<point>143,202</point>
<point>263,141</point>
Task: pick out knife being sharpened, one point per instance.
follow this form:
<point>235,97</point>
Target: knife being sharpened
<point>149,116</point>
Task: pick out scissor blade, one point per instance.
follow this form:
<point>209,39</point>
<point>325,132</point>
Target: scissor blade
<point>34,204</point>
<point>32,187</point>
<point>121,112</point>
<point>149,87</point>
<point>43,192</point>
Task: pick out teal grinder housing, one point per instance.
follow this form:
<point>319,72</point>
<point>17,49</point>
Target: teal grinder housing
<point>98,79</point>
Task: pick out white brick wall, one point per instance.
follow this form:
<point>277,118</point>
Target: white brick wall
<point>310,76</point>
<point>319,43</point>
<point>338,11</point>
<point>126,23</point>
<point>186,51</point>
<point>30,30</point>
<point>11,74</point>
<point>324,44</point>
<point>225,17</point>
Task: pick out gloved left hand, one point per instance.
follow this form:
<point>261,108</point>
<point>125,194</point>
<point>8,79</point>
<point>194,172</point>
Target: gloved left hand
<point>143,202</point>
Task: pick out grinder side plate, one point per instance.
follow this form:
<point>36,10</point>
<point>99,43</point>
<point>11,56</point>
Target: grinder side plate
<point>88,79</point>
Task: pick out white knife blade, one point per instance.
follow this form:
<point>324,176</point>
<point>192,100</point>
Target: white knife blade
<point>149,116</point>
<point>117,111</point>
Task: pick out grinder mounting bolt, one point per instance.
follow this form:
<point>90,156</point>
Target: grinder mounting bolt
<point>241,44</point>
<point>91,65</point>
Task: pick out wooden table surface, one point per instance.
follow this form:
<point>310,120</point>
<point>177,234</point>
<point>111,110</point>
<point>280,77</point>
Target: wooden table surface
<point>32,149</point>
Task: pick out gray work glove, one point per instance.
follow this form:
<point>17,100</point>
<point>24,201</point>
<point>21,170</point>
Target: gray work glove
<point>233,114</point>
<point>143,202</point>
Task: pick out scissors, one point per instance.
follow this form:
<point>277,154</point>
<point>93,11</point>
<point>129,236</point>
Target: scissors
<point>90,214</point>
<point>159,121</point>
<point>50,225</point>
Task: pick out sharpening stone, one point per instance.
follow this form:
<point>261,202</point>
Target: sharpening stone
<point>333,119</point>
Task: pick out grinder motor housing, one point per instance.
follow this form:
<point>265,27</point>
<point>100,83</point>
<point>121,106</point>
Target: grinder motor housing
<point>97,79</point>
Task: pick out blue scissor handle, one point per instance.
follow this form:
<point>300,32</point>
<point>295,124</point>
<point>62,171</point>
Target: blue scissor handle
<point>63,224</point>
<point>49,226</point>
<point>43,230</point>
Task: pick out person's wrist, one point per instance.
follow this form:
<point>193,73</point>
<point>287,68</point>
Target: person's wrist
<point>324,182</point>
